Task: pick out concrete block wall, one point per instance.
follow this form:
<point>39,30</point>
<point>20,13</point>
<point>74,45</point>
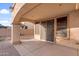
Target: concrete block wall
<point>5,32</point>
<point>26,33</point>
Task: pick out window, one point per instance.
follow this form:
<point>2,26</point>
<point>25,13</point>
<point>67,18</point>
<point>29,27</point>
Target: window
<point>24,27</point>
<point>61,27</point>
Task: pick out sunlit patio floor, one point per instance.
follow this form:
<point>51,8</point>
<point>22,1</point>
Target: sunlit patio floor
<point>42,48</point>
<point>68,43</point>
<point>6,49</point>
<point>35,48</point>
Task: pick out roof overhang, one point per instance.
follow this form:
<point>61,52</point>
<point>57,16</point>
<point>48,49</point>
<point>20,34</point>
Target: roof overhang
<point>38,12</point>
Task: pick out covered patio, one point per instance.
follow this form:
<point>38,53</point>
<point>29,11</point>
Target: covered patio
<point>44,18</point>
<point>40,29</point>
<point>38,14</point>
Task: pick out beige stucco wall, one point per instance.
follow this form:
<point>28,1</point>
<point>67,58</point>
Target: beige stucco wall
<point>74,25</point>
<point>15,34</point>
<point>37,31</point>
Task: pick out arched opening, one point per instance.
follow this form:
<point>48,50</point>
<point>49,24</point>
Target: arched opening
<point>26,30</point>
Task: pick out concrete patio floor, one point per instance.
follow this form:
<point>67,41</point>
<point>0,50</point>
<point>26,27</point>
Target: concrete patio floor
<point>42,48</point>
<point>68,43</point>
<point>6,49</point>
<point>36,48</point>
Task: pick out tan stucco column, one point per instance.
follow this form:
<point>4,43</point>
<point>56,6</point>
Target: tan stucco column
<point>15,34</point>
<point>37,31</point>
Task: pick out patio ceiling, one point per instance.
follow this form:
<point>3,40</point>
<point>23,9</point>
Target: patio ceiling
<point>43,11</point>
<point>49,10</point>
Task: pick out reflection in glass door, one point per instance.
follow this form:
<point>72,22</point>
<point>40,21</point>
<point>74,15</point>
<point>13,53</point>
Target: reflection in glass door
<point>47,30</point>
<point>50,30</point>
<point>61,30</point>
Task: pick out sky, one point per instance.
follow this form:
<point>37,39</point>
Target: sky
<point>5,14</point>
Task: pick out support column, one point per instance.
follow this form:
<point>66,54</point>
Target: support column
<point>15,34</point>
<point>55,28</point>
<point>77,6</point>
<point>34,32</point>
<point>37,32</point>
